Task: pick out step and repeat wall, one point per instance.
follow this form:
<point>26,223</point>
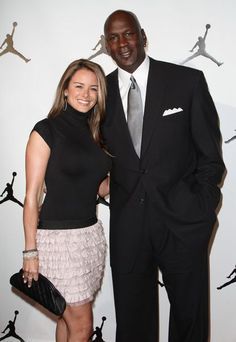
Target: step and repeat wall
<point>38,39</point>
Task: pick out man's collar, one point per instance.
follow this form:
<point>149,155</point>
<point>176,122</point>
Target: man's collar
<point>140,74</point>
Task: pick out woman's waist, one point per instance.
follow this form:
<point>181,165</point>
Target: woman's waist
<point>48,223</point>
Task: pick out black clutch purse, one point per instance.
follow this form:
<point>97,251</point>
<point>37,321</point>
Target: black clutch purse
<point>42,291</point>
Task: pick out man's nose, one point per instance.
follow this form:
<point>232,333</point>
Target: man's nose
<point>122,40</point>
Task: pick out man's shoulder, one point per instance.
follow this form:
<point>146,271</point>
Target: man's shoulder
<point>158,67</point>
<point>112,82</point>
<point>112,75</point>
<point>169,67</point>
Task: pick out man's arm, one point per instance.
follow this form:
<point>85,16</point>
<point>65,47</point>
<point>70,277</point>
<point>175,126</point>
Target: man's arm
<point>5,329</point>
<point>3,44</point>
<point>207,139</point>
<point>234,271</point>
<point>3,192</point>
<point>194,47</point>
<point>12,182</point>
<point>98,43</point>
<point>13,31</point>
<point>204,38</point>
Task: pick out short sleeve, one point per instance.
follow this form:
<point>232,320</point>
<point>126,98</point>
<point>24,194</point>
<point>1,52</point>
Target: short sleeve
<point>43,128</point>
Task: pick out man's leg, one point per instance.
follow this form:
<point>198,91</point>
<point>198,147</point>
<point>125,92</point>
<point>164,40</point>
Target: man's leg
<point>185,275</point>
<point>188,294</point>
<point>136,303</point>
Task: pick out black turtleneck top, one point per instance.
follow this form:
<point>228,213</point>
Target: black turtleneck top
<point>76,167</point>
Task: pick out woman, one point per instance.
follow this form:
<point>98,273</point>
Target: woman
<point>65,241</point>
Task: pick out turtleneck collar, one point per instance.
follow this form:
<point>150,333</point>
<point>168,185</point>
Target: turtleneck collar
<point>74,116</point>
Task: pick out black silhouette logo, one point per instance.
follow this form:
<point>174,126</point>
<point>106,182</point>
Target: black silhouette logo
<point>233,280</point>
<point>201,44</point>
<point>102,44</point>
<point>231,139</point>
<point>98,332</point>
<point>10,45</point>
<point>11,330</point>
<point>9,192</point>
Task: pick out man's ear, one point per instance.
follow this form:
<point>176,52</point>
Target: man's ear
<point>107,48</point>
<point>144,37</point>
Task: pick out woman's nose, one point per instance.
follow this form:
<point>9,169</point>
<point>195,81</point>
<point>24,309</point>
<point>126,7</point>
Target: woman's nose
<point>85,93</point>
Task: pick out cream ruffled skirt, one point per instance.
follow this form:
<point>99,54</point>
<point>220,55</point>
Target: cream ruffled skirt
<point>73,260</point>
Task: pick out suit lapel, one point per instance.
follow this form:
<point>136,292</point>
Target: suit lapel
<point>153,110</point>
<point>154,98</point>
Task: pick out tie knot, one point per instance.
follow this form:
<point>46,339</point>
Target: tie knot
<point>133,82</point>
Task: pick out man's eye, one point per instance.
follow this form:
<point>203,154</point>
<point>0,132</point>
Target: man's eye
<point>128,34</point>
<point>113,38</point>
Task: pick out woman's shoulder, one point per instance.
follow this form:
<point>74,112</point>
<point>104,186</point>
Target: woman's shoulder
<point>44,129</point>
<point>43,124</point>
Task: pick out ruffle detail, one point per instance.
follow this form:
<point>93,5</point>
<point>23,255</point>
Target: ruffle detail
<point>73,260</point>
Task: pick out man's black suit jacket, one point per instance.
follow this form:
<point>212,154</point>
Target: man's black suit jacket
<point>180,164</point>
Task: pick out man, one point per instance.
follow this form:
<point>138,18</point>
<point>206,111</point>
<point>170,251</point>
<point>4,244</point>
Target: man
<point>164,194</point>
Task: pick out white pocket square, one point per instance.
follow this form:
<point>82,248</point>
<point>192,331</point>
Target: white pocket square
<point>172,111</point>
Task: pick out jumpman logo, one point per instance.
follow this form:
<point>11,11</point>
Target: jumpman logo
<point>233,280</point>
<point>9,191</point>
<point>201,44</point>
<point>98,332</point>
<point>229,140</point>
<point>102,43</point>
<point>12,330</point>
<point>10,45</point>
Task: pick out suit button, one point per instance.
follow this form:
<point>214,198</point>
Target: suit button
<point>141,200</point>
<point>144,171</point>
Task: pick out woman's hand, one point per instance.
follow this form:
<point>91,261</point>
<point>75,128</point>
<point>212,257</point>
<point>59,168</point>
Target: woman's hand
<point>30,270</point>
<point>104,187</point>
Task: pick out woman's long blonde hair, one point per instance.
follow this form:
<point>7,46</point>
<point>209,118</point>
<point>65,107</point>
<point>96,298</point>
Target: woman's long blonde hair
<point>98,112</point>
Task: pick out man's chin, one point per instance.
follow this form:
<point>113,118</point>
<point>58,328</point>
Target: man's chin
<point>126,64</point>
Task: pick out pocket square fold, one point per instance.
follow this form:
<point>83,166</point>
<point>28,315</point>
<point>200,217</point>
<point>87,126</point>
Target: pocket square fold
<point>172,111</point>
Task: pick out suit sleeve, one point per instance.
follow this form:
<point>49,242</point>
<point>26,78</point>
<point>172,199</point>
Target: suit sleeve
<point>207,139</point>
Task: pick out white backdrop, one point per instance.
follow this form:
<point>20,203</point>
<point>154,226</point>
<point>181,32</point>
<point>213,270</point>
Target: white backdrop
<point>52,33</point>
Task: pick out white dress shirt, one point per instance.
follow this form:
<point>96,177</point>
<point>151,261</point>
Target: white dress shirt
<point>140,75</point>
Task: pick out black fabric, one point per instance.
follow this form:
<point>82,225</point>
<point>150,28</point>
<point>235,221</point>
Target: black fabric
<point>42,291</point>
<point>76,167</point>
<point>171,188</point>
<point>136,305</point>
<point>70,223</point>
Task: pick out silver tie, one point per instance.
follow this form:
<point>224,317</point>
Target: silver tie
<point>135,115</point>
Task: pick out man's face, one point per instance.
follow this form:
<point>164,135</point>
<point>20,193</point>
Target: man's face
<point>125,41</point>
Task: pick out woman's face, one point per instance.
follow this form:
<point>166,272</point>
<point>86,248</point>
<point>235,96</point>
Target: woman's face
<point>82,91</point>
